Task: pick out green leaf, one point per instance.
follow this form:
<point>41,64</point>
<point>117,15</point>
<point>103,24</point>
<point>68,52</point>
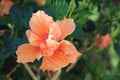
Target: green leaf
<point>115,31</point>
<point>10,47</point>
<point>81,16</point>
<point>95,14</point>
<point>20,15</point>
<point>58,9</point>
<point>78,33</point>
<point>71,8</point>
<point>80,4</point>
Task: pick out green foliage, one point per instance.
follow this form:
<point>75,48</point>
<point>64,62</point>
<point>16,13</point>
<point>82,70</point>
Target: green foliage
<point>78,33</point>
<point>71,8</point>
<point>23,14</point>
<point>58,9</point>
<point>4,20</point>
<point>9,48</point>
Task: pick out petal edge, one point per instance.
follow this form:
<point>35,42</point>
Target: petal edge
<point>26,53</point>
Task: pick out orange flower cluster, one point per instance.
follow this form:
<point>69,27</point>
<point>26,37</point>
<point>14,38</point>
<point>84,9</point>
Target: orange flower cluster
<point>44,42</point>
<point>5,6</point>
<point>2,32</point>
<point>40,2</point>
<point>102,41</point>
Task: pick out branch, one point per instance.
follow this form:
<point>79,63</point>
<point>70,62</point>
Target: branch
<point>72,65</point>
<point>56,75</point>
<point>30,71</point>
<point>13,70</point>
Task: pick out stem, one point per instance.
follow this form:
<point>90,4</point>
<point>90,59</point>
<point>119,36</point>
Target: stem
<point>13,70</point>
<point>12,30</point>
<point>89,48</point>
<point>30,71</point>
<point>11,34</point>
<point>56,75</point>
<point>72,65</point>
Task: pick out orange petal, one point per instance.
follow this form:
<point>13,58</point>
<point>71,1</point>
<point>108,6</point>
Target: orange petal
<point>39,56</point>
<point>27,53</point>
<point>52,43</point>
<point>49,64</point>
<point>33,38</point>
<point>55,31</point>
<point>51,46</point>
<point>64,55</point>
<point>106,40</point>
<point>69,51</point>
<point>39,24</point>
<point>67,26</point>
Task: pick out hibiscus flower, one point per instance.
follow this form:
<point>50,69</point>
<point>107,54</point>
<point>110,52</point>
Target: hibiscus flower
<point>102,41</point>
<point>46,41</point>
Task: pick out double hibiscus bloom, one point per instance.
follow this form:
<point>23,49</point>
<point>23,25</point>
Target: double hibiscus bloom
<point>46,41</point>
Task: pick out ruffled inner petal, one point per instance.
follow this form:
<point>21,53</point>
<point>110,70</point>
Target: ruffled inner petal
<point>64,55</point>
